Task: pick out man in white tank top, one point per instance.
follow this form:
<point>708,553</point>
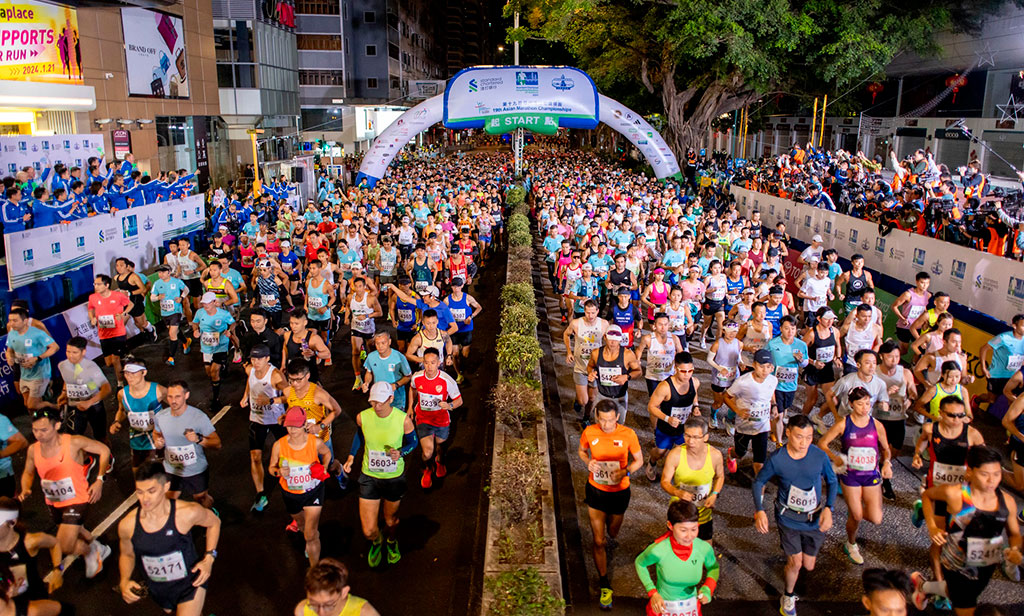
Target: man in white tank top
<point>589,333</point>
<point>858,334</point>
<point>661,347</point>
<point>263,397</point>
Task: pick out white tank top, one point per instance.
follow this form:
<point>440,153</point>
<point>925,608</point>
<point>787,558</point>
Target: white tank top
<point>755,338</point>
<point>588,338</point>
<point>661,357</point>
<point>361,321</point>
<point>676,320</point>
<point>265,415</point>
<point>857,340</point>
<point>431,343</point>
<point>188,266</point>
<point>936,373</point>
<point>727,356</point>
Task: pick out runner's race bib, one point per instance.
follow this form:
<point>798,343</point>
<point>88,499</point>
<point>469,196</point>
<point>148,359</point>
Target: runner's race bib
<point>603,475</point>
<point>209,339</point>
<point>106,321</point>
<point>459,314</point>
<point>947,474</point>
<point>786,375</point>
<point>167,305</point>
<point>268,301</point>
<point>300,479</point>
<point>914,312</point>
<point>381,462</point>
<point>182,455</point>
<point>682,413</point>
<point>760,410</point>
<point>1014,362</point>
<point>78,392</point>
<point>681,607</point>
<point>166,568</point>
<point>700,493</point>
<point>58,490</point>
<point>862,458</point>
<point>142,422</point>
<point>606,374</point>
<point>983,551</point>
<point>802,501</point>
<point>315,302</point>
<point>825,354</point>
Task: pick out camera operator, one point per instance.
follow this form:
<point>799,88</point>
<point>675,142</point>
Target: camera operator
<point>991,235</point>
<point>818,198</point>
<point>975,183</point>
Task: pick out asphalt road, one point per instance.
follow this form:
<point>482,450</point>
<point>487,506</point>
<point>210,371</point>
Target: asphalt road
<point>751,563</point>
<point>260,567</point>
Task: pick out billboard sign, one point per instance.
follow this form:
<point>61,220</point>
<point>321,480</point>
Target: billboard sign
<point>154,53</point>
<point>39,42</point>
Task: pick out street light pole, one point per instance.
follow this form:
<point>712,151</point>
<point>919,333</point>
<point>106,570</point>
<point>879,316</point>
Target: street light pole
<point>519,137</point>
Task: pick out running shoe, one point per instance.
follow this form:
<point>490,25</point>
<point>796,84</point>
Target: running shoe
<point>94,559</point>
<point>374,553</point>
<point>714,419</point>
<point>917,597</point>
<point>787,605</point>
<point>393,554</point>
<point>819,424</point>
<point>730,462</point>
<point>606,599</point>
<point>917,514</point>
<point>887,492</point>
<point>651,471</point>
<point>852,552</point>
<point>261,503</point>
<point>170,361</point>
<point>439,469</point>
<point>238,357</point>
<point>293,527</point>
<point>187,345</point>
<point>362,355</point>
<point>426,481</point>
<point>358,383</point>
<point>942,604</point>
<point>459,379</point>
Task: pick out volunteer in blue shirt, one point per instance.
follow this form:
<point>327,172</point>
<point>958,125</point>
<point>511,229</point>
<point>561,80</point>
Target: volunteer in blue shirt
<point>1001,357</point>
<point>386,365</point>
<point>211,325</point>
<point>169,293</point>
<point>803,509</point>
<point>30,348</point>
<point>15,214</point>
<point>789,354</point>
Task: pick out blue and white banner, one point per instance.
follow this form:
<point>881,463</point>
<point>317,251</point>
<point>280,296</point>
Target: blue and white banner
<point>136,233</point>
<point>20,151</point>
<point>978,280</point>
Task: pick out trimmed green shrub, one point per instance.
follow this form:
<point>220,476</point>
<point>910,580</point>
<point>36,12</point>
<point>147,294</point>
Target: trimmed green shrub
<point>518,355</point>
<point>518,293</point>
<point>523,593</point>
<point>520,238</point>
<point>518,223</point>
<point>519,319</point>
<point>515,195</point>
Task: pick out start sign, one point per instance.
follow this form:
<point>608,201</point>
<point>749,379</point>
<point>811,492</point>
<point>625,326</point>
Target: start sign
<point>543,123</point>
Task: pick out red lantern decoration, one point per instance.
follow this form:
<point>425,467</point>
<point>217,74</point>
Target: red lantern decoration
<point>956,82</point>
<point>875,88</point>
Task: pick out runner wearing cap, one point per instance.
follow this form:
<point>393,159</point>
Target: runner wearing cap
<point>464,309</point>
<point>290,265</point>
<point>610,368</point>
<point>108,312</point>
<point>431,301</point>
<point>268,282</point>
<point>184,433</point>
<point>169,294</point>
<point>655,296</point>
<point>263,390</point>
<point>671,403</point>
<point>300,461</point>
<point>60,460</point>
<point>389,435</point>
<point>588,331</point>
<point>457,266</point>
<point>137,405</point>
<point>436,395</point>
<point>803,513</point>
<point>211,326</point>
<point>752,398</point>
<point>583,288</point>
<point>605,448</point>
<point>623,313</point>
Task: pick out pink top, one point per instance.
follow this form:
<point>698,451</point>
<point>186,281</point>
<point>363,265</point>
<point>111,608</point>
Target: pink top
<point>913,308</point>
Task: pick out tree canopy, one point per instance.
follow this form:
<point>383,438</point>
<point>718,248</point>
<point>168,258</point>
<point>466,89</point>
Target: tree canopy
<point>704,58</point>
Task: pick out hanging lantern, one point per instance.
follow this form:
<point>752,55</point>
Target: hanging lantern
<point>956,82</point>
<point>875,88</point>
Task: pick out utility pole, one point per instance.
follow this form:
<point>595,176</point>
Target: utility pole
<point>518,137</point>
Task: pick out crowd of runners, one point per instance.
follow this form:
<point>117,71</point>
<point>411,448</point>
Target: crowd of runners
<point>382,276</point>
<point>650,279</point>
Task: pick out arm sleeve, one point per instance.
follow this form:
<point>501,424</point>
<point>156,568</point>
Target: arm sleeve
<point>642,562</point>
<point>357,443</point>
<point>409,442</point>
<point>1006,218</point>
<point>763,477</point>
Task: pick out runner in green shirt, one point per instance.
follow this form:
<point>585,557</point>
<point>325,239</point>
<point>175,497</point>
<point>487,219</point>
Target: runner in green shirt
<point>686,566</point>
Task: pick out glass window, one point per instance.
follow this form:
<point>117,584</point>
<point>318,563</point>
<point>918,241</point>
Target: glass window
<point>369,17</point>
<point>318,42</point>
<point>393,51</point>
<point>322,119</point>
<point>245,75</point>
<point>371,83</point>
<point>244,51</point>
<point>222,44</point>
<point>371,50</point>
<point>225,76</point>
<point>321,78</point>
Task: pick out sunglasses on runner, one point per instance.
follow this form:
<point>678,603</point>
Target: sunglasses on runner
<point>956,415</point>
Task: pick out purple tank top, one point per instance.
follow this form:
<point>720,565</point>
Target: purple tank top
<point>913,309</point>
<point>860,446</point>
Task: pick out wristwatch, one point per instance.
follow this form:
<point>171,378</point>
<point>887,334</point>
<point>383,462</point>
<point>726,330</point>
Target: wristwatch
<point>212,552</point>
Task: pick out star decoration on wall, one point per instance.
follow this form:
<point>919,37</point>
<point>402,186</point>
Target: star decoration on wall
<point>1009,110</point>
<point>986,57</point>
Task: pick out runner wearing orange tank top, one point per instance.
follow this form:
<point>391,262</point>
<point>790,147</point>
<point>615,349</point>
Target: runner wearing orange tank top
<point>60,461</point>
<point>321,409</point>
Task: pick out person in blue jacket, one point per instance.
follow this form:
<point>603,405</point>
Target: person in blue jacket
<point>15,214</point>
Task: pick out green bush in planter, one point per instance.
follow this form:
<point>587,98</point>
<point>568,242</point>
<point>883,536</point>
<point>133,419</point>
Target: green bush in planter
<point>520,238</point>
<point>523,593</point>
<point>518,355</point>
<point>519,319</point>
<point>515,196</point>
<point>518,223</point>
<point>518,293</point>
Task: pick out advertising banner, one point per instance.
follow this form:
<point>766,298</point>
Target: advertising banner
<point>39,42</point>
<point>642,135</point>
<point>977,280</point>
<point>20,151</point>
<point>538,98</point>
<point>135,233</point>
<point>154,53</point>
<point>397,134</point>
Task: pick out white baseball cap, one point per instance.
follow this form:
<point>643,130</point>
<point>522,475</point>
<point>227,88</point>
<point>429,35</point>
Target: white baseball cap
<point>381,392</point>
<point>208,298</point>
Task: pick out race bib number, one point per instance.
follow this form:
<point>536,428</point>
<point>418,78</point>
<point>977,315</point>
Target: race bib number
<point>268,301</point>
<point>182,455</point>
<point>914,312</point>
<point>404,315</point>
<point>760,410</point>
<point>315,302</point>
<point>77,392</point>
<point>717,294</point>
<point>700,493</point>
<point>862,458</point>
<point>106,321</point>
<point>802,501</point>
<point>142,422</point>
<point>681,607</point>
<point>786,375</point>
<point>167,305</point>
<point>983,551</point>
<point>300,479</point>
<point>209,339</point>
<point>421,285</point>
<point>58,490</point>
<point>459,314</point>
<point>166,568</point>
<point>606,374</point>
<point>603,474</point>
<point>429,402</point>
<point>825,354</point>
<point>1014,362</point>
<point>381,462</point>
<point>947,474</point>
<point>682,413</point>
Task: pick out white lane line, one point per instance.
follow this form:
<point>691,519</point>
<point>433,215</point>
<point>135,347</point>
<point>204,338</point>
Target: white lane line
<point>128,503</point>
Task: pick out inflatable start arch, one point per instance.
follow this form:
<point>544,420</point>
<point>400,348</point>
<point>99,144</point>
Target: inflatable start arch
<point>500,99</point>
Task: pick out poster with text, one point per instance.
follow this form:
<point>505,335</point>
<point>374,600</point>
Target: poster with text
<point>154,51</point>
<point>39,42</point>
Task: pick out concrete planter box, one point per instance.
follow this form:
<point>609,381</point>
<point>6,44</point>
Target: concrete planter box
<point>550,568</point>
